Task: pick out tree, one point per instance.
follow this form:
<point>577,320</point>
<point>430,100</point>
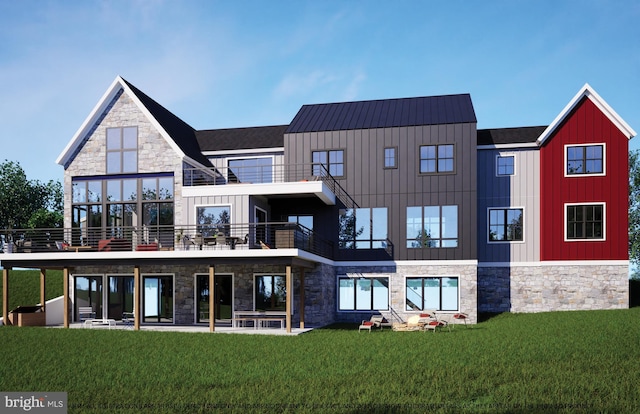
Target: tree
<point>28,203</point>
<point>634,208</point>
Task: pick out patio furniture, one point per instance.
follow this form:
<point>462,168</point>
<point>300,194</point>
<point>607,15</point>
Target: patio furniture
<point>85,312</point>
<point>461,317</point>
<point>366,325</point>
<point>414,323</point>
<point>92,323</point>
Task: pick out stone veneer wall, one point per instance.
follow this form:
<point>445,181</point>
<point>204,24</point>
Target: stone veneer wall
<point>467,288</point>
<point>319,288</point>
<point>154,153</point>
<point>553,287</point>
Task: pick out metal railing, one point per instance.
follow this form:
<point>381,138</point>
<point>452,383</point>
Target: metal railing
<point>280,173</point>
<point>220,236</point>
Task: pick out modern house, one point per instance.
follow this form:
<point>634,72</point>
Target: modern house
<point>385,207</point>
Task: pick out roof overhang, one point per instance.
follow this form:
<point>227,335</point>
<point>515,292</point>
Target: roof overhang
<point>588,92</point>
<point>302,188</point>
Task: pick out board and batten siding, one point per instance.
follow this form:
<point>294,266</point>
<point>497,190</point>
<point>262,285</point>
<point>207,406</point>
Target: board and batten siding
<point>371,185</point>
<point>520,190</point>
<point>242,208</point>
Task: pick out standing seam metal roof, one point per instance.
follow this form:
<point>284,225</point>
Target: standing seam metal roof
<point>429,110</point>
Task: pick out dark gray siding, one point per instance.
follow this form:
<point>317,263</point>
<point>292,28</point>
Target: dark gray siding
<point>371,185</point>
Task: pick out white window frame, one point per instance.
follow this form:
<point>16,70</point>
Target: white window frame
<point>506,155</point>
<point>505,208</point>
<point>404,287</point>
<point>592,144</point>
<point>363,276</point>
<point>604,220</point>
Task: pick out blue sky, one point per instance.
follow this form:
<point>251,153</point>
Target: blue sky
<point>224,64</point>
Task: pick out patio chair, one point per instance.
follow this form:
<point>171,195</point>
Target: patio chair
<point>366,325</point>
<point>374,322</point>
<point>438,322</point>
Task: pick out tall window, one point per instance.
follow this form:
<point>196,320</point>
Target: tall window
<point>363,294</point>
<point>505,224</point>
<point>213,220</point>
<point>436,159</point>
<point>432,227</point>
<point>88,292</point>
<point>390,159</point>
<point>585,159</point>
<point>270,292</point>
<point>157,299</point>
<point>122,150</point>
<point>505,165</point>
<point>251,170</point>
<point>363,228</point>
<point>332,161</point>
<point>585,222</point>
<point>432,293</point>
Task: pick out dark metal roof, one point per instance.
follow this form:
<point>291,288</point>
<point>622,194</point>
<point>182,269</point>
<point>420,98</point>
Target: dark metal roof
<point>241,138</point>
<point>520,135</point>
<point>181,132</point>
<point>386,113</point>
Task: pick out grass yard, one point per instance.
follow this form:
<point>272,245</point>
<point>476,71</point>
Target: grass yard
<point>512,363</point>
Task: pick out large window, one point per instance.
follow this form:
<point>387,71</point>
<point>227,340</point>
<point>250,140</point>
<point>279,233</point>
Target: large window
<point>363,228</point>
<point>363,293</point>
<point>585,222</point>
<point>432,293</point>
<point>332,161</point>
<point>122,150</point>
<point>157,300</point>
<point>436,159</point>
<point>505,224</point>
<point>251,170</point>
<point>432,227</point>
<point>106,207</point>
<point>270,292</point>
<point>585,159</point>
<point>213,220</point>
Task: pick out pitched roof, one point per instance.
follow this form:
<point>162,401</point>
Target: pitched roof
<point>587,92</point>
<point>503,136</point>
<point>179,131</point>
<point>430,110</point>
<point>241,138</point>
<point>178,134</point>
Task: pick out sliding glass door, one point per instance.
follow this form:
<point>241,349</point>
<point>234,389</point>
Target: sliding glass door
<point>157,299</point>
<point>88,292</point>
<point>120,296</point>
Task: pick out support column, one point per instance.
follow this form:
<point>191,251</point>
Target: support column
<point>212,299</point>
<point>136,298</point>
<point>288,287</point>
<point>5,296</point>
<point>43,290</point>
<point>65,311</point>
<point>301,298</point>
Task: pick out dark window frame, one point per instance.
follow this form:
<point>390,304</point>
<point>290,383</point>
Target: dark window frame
<point>505,225</point>
<point>437,159</point>
<point>578,165</point>
<point>585,222</point>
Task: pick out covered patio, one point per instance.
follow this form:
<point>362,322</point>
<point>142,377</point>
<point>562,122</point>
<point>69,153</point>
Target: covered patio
<point>293,262</point>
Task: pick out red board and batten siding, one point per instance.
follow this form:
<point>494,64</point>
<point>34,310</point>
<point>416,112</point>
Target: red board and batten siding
<point>585,124</point>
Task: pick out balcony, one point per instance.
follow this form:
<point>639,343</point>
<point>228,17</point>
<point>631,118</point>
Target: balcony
<point>207,239</point>
<point>281,180</point>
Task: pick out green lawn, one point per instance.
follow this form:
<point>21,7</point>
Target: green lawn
<point>512,363</point>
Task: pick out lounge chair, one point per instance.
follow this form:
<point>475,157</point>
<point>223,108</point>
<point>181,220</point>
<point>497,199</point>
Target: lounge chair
<point>366,325</point>
<point>376,321</point>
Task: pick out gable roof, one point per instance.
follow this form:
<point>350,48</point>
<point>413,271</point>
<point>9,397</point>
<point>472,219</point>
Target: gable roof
<point>588,93</point>
<point>504,136</point>
<point>241,138</point>
<point>178,134</point>
<point>386,113</point>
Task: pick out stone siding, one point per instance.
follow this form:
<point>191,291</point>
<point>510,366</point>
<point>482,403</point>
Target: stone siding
<point>552,288</point>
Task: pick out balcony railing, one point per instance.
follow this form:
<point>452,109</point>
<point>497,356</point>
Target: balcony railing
<point>262,174</point>
<point>271,235</point>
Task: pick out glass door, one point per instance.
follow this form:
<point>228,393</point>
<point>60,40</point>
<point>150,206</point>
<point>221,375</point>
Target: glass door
<point>88,292</point>
<point>120,296</point>
<point>157,299</point>
<point>223,300</point>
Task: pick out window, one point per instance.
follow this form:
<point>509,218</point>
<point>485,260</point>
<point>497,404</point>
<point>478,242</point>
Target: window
<point>436,159</point>
<point>432,293</point>
<point>585,160</point>
<point>505,224</point>
<point>390,159</point>
<point>432,227</point>
<point>363,293</point>
<point>270,292</point>
<point>212,220</point>
<point>157,299</point>
<point>363,228</point>
<point>306,221</point>
<point>88,292</point>
<point>328,161</point>
<point>585,222</point>
<point>122,150</point>
<point>505,165</point>
<point>251,170</point>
